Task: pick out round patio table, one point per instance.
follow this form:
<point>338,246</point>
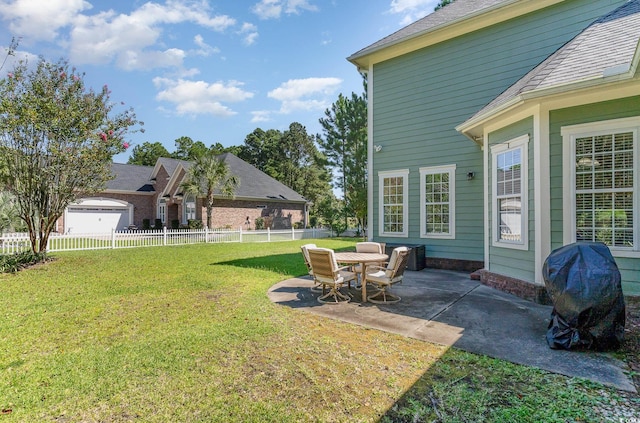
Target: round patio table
<point>363,259</point>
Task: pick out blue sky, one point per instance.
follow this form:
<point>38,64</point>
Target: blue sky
<point>212,70</point>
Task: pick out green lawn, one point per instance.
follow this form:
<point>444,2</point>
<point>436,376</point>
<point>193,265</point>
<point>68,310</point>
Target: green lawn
<point>185,334</point>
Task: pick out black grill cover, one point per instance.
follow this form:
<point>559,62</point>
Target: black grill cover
<point>583,282</point>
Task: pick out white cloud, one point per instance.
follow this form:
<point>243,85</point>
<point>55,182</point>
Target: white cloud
<point>250,33</point>
<point>273,9</point>
<point>40,20</point>
<point>102,37</point>
<point>17,56</point>
<point>142,60</point>
<point>412,10</point>
<point>205,49</point>
<point>305,94</point>
<point>200,97</point>
<point>261,116</point>
<point>131,40</point>
<point>326,38</point>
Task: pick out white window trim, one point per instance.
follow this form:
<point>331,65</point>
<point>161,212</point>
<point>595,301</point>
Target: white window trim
<point>424,171</point>
<point>187,197</point>
<point>521,142</point>
<point>404,173</point>
<point>569,135</point>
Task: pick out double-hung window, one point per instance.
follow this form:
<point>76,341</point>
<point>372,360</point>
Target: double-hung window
<point>437,200</point>
<point>509,188</point>
<point>603,196</point>
<point>393,199</point>
<point>189,208</point>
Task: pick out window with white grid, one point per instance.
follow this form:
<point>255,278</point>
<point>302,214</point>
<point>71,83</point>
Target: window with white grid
<point>394,202</point>
<point>189,208</point>
<point>437,215</point>
<point>509,188</point>
<point>600,194</point>
<point>604,189</point>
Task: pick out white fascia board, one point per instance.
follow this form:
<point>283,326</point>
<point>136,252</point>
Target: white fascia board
<point>172,181</point>
<point>484,18</point>
<point>604,85</point>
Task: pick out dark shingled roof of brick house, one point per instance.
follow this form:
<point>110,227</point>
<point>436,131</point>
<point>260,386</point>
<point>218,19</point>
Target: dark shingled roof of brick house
<point>256,184</point>
<point>253,182</point>
<point>130,178</point>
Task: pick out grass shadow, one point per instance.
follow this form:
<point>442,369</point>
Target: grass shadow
<point>289,264</point>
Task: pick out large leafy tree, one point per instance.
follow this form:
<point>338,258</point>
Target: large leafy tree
<point>148,153</point>
<point>218,148</point>
<point>345,146</point>
<point>442,4</point>
<point>208,174</point>
<point>57,141</point>
<point>260,149</point>
<point>187,149</point>
<point>9,220</point>
<point>291,157</point>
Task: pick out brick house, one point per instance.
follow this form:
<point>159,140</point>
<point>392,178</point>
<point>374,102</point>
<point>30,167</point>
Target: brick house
<point>138,193</point>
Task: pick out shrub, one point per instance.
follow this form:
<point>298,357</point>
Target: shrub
<point>195,224</point>
<point>13,262</point>
<point>146,224</point>
<point>339,227</point>
<point>158,224</point>
<point>175,223</point>
<point>259,223</point>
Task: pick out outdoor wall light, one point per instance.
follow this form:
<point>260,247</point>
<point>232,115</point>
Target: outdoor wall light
<point>470,175</point>
<point>377,148</point>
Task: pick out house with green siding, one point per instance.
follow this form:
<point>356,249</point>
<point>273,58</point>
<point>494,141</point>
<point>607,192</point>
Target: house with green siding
<point>502,130</point>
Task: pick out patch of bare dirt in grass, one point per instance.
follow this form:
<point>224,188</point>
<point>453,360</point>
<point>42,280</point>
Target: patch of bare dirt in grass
<point>631,346</point>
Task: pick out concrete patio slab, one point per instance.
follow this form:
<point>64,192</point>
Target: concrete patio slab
<point>449,308</point>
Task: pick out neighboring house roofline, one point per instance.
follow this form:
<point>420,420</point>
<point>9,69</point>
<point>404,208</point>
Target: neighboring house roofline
<point>456,19</point>
<point>582,64</point>
<point>173,184</point>
<point>254,184</point>
<point>128,178</point>
<point>266,199</point>
<point>119,191</point>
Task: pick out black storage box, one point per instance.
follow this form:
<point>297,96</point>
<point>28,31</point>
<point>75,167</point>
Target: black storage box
<point>416,254</point>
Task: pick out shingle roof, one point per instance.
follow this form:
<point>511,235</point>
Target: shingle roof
<point>256,184</point>
<point>457,11</point>
<point>605,48</point>
<point>171,165</point>
<point>130,178</point>
<point>253,182</point>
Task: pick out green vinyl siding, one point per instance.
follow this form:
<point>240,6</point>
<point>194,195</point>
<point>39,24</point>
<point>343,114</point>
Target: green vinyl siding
<point>519,264</point>
<point>627,107</point>
<point>420,97</point>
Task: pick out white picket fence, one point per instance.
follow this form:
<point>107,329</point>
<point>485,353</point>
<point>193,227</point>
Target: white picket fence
<point>12,243</point>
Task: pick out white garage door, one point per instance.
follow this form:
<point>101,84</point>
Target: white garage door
<point>93,217</point>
